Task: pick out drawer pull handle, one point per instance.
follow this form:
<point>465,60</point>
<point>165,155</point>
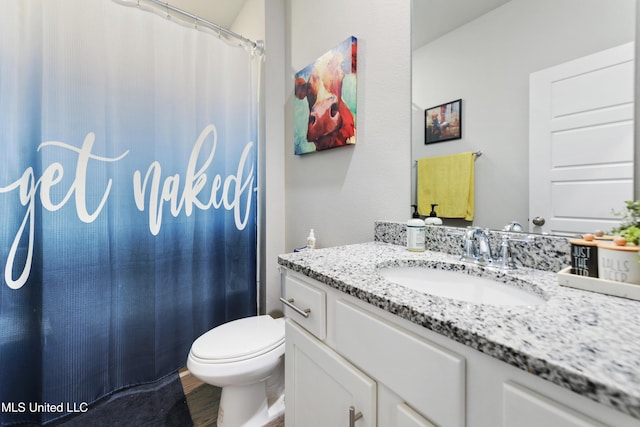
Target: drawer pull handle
<point>289,303</point>
<point>353,417</point>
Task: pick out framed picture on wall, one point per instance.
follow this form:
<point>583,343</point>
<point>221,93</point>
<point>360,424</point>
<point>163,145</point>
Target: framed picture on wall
<point>443,122</point>
<point>325,100</point>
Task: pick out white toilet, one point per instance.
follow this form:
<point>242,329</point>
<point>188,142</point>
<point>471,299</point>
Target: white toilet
<point>246,358</point>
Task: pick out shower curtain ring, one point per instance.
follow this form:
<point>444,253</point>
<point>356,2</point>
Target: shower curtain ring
<point>167,6</point>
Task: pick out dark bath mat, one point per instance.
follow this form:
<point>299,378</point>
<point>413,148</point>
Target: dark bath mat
<point>159,404</point>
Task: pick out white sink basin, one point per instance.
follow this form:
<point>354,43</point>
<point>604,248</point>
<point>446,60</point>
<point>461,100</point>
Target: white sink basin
<point>459,286</point>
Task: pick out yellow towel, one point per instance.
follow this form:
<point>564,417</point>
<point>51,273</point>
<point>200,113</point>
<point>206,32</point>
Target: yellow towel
<point>447,181</point>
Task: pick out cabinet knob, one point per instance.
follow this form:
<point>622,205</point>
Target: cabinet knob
<point>353,417</point>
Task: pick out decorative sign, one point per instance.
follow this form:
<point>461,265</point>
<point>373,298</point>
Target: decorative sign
<point>584,258</point>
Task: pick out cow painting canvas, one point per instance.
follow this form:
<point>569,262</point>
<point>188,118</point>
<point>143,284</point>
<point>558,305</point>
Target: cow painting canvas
<point>325,100</point>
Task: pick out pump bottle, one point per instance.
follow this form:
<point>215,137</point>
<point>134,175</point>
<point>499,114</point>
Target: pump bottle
<point>433,219</point>
<point>311,240</point>
<point>415,233</point>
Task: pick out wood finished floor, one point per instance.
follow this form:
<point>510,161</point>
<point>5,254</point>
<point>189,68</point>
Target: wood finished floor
<point>203,400</point>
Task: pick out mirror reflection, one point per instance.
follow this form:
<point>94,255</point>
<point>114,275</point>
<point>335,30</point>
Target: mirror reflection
<point>486,57</point>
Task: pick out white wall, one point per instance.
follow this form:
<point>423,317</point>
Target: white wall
<point>636,169</point>
<point>251,22</point>
<point>275,136</point>
<point>487,63</point>
<point>342,191</point>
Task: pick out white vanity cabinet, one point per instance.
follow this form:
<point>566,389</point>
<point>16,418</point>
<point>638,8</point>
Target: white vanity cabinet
<point>344,354</point>
<point>342,364</point>
<point>426,376</point>
<point>322,388</point>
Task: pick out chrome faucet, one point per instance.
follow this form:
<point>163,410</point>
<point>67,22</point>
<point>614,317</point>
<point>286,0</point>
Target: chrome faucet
<point>513,226</point>
<point>476,247</point>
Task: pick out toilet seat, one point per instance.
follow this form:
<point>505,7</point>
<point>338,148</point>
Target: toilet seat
<point>245,358</point>
<point>239,340</point>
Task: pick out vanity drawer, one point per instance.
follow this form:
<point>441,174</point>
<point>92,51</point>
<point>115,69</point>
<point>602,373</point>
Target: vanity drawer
<point>428,377</point>
<point>306,304</point>
<point>407,417</point>
<point>527,408</point>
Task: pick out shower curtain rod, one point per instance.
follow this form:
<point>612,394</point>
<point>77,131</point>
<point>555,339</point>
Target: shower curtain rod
<point>257,46</point>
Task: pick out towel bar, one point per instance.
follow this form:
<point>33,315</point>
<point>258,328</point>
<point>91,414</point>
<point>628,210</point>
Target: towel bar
<point>476,154</point>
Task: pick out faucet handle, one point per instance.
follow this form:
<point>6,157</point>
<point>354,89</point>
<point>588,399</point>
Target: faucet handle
<point>484,253</point>
<point>504,259</point>
<point>468,243</point>
<point>476,247</point>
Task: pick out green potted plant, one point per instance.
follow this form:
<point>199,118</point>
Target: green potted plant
<point>630,226</point>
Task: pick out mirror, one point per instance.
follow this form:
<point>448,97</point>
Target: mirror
<point>485,56</point>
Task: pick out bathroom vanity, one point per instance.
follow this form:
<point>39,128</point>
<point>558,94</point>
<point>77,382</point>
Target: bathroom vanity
<point>364,351</point>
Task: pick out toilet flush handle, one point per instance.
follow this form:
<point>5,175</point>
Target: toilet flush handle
<point>289,303</point>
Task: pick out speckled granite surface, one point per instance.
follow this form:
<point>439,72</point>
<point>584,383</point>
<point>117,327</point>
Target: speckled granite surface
<point>586,342</point>
<point>548,253</point>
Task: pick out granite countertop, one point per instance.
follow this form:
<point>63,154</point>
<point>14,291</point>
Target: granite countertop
<point>583,341</point>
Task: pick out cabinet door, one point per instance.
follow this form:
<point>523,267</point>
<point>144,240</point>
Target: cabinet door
<point>428,377</point>
<point>321,386</point>
<point>525,408</point>
<point>407,417</point>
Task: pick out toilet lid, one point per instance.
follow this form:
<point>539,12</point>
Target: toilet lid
<point>240,339</point>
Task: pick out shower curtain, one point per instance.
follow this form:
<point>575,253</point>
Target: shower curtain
<point>127,198</point>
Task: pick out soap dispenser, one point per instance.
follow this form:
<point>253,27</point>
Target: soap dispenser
<point>415,232</point>
<point>311,240</point>
<point>433,219</point>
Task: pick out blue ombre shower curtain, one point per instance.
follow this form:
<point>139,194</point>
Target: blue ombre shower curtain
<point>127,198</point>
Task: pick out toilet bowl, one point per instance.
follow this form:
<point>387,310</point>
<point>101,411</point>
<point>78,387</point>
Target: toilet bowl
<point>246,358</point>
